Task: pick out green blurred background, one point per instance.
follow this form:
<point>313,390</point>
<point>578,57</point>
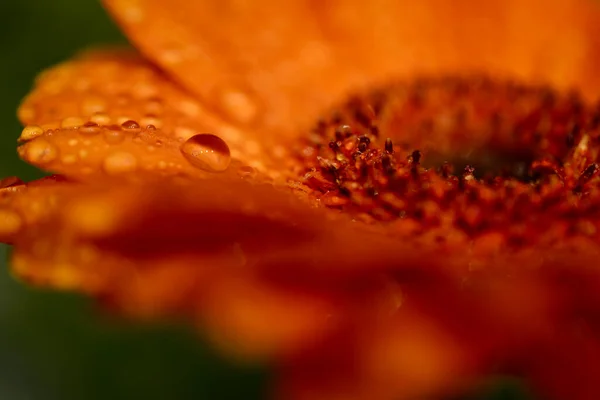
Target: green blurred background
<point>56,345</point>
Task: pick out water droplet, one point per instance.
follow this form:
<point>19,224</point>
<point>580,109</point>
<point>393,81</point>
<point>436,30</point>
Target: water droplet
<point>113,134</point>
<point>207,152</point>
<point>31,132</point>
<point>72,122</point>
<point>89,129</point>
<point>40,152</point>
<point>130,124</point>
<point>120,162</point>
<point>49,127</point>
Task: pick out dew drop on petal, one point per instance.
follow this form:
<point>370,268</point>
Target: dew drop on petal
<point>41,152</point>
<point>30,132</point>
<point>207,152</point>
<point>119,162</point>
<point>130,124</point>
<point>71,122</point>
<point>89,129</point>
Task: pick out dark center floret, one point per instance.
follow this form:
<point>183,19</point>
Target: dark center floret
<point>473,151</point>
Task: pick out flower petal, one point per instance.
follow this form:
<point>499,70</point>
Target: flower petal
<point>22,206</point>
<point>272,66</point>
<point>156,220</point>
<point>446,333</point>
<point>125,151</point>
<point>168,248</point>
<point>109,88</point>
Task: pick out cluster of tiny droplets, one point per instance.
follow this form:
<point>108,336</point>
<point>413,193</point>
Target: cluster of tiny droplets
<point>468,153</point>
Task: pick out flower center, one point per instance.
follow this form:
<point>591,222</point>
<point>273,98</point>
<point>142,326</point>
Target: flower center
<point>429,149</point>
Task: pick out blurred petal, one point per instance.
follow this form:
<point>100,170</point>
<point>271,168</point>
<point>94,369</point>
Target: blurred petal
<point>252,319</point>
<point>23,206</point>
<point>208,250</point>
<point>274,66</point>
<point>158,220</point>
<point>446,335</point>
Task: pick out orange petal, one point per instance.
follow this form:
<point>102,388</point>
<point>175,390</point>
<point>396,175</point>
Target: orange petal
<point>109,88</point>
<point>136,223</point>
<point>444,334</point>
<point>573,341</point>
<point>215,250</point>
<point>407,356</point>
<point>272,66</point>
<point>166,217</point>
<point>126,151</point>
<point>252,319</point>
<point>23,206</point>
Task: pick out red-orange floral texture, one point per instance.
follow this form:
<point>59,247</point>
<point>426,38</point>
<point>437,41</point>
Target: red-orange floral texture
<point>385,199</point>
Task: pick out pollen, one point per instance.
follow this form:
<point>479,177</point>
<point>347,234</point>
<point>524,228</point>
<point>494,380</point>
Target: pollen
<point>466,153</point>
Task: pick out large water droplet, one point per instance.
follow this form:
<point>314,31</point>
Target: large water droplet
<point>71,122</point>
<point>40,151</point>
<point>130,125</point>
<point>31,132</point>
<point>207,152</point>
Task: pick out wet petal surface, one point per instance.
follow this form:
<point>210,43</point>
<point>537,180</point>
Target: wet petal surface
<point>110,88</point>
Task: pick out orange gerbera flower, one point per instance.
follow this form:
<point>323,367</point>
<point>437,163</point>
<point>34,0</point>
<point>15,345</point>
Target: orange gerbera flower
<point>437,226</point>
